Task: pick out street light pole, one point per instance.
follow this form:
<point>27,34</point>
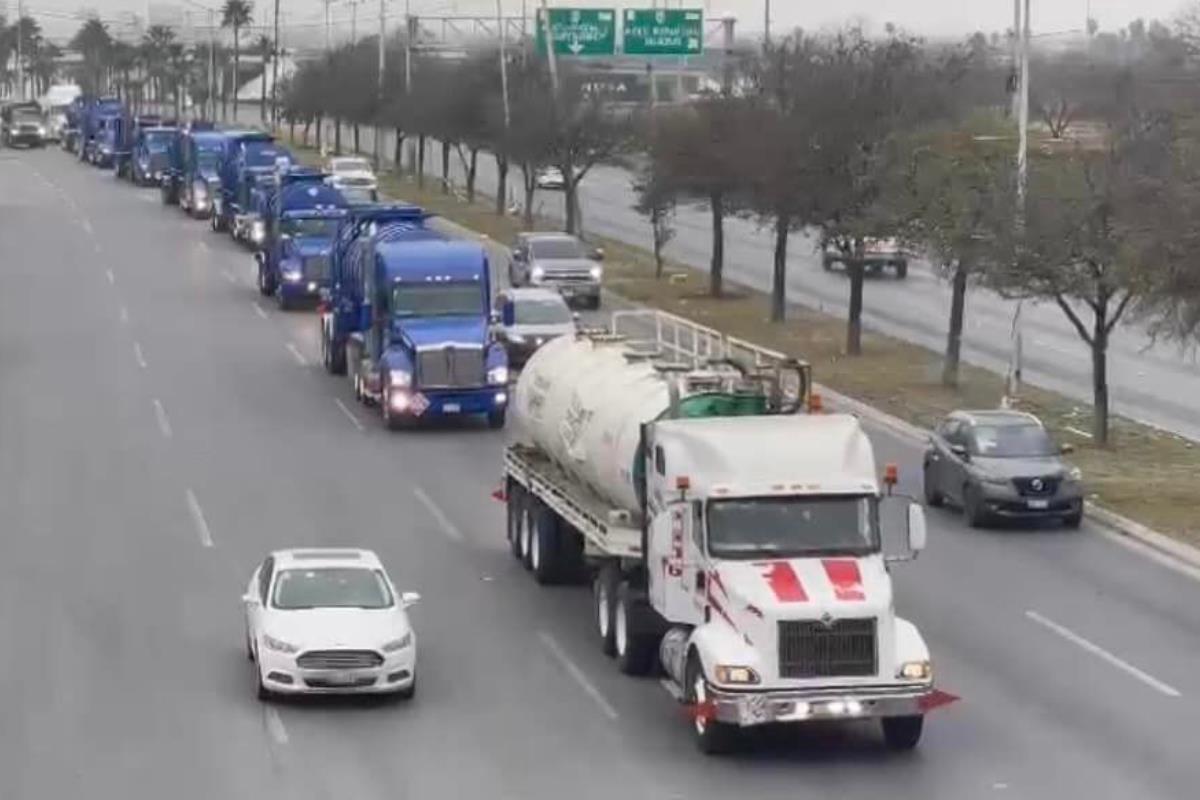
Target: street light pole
<point>379,89</point>
<point>275,72</point>
<point>20,55</point>
<point>550,56</point>
<point>1014,375</point>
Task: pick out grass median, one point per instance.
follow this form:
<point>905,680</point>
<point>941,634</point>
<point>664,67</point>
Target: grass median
<point>1145,474</point>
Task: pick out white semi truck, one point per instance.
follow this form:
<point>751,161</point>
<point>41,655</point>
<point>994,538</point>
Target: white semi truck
<point>732,534</point>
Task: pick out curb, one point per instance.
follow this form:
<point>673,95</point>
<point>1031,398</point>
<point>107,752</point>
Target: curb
<point>1109,520</point>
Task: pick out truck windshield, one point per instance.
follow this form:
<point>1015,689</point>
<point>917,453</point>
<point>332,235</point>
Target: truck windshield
<point>793,526</point>
<point>437,300</point>
<point>158,142</point>
<point>207,160</point>
<point>324,228</point>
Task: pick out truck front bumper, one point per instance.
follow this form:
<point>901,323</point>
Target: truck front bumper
<point>300,289</point>
<point>765,707</point>
<point>426,404</point>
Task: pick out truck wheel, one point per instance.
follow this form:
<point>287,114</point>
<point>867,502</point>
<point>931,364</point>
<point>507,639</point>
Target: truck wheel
<point>902,733</point>
<point>526,535</point>
<point>635,649</point>
<point>604,597</point>
<point>516,509</point>
<point>337,358</point>
<point>265,287</point>
<point>543,550</point>
<point>901,269</point>
<point>712,737</point>
<point>496,419</point>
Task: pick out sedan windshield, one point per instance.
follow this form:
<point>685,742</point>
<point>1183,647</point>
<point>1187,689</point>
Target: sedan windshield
<point>324,228</point>
<point>1011,441</point>
<point>550,311</point>
<point>557,248</point>
<point>351,165</point>
<point>793,526</point>
<point>331,587</point>
<point>437,300</point>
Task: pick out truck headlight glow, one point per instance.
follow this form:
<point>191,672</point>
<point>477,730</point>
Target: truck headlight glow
<point>498,375</point>
<point>916,670</point>
<point>536,274</point>
<point>399,379</point>
<point>291,275</point>
<point>597,273</point>
<point>258,231</point>
<point>727,673</point>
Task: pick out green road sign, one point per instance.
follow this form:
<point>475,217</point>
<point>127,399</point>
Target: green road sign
<point>664,32</point>
<point>580,31</point>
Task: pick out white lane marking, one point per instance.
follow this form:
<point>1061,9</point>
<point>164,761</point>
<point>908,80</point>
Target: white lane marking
<point>87,226</point>
<point>164,425</point>
<point>259,310</point>
<point>349,414</point>
<point>203,244</point>
<point>124,315</point>
<point>1077,432</point>
<point>229,276</point>
<point>1104,655</point>
<point>198,519</point>
<point>275,726</point>
<point>448,527</point>
<point>145,198</point>
<point>575,672</point>
<point>139,355</point>
<point>108,273</point>
<point>296,354</point>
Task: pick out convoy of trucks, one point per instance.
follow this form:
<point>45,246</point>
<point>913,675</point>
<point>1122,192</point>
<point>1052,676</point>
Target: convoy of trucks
<point>738,540</point>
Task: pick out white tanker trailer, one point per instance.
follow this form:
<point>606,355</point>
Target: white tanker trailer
<point>732,538</point>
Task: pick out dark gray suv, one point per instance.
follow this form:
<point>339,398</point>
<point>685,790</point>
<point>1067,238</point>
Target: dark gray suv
<point>1001,465</point>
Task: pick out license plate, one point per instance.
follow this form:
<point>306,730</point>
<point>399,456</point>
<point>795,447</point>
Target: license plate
<point>340,678</point>
<point>567,292</point>
<point>451,408</point>
<point>1039,504</point>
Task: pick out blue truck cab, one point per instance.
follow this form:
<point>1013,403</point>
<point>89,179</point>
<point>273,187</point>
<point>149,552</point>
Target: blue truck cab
<point>172,173</point>
<point>151,155</point>
<point>200,153</point>
<point>93,118</point>
<point>408,318</point>
<point>300,221</point>
<point>105,141</point>
<point>245,153</point>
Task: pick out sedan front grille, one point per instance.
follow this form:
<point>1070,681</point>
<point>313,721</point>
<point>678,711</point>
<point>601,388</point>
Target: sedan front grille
<point>1036,487</point>
<point>569,276</point>
<point>451,367</point>
<point>325,683</point>
<point>339,659</point>
<point>315,268</point>
<point>812,649</point>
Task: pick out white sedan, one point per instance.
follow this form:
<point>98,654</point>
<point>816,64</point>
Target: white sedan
<point>354,177</point>
<point>329,620</point>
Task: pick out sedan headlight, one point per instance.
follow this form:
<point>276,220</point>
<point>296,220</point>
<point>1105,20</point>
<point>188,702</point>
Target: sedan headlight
<point>278,645</point>
<point>399,379</point>
<point>596,273</point>
<point>728,673</point>
<point>537,273</point>
<point>1000,483</point>
<point>498,375</point>
<point>915,671</point>
<point>399,644</point>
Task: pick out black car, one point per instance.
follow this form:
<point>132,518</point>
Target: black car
<point>1001,465</point>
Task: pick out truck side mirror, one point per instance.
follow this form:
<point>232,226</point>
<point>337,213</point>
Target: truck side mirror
<point>508,314</point>
<point>960,451</point>
<point>916,528</point>
<point>516,255</point>
<point>598,254</point>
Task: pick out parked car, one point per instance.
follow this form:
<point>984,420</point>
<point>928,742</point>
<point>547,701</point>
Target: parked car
<point>878,254</point>
<point>354,177</point>
<point>1001,465</point>
<point>552,178</point>
<point>557,261</point>
<point>529,318</point>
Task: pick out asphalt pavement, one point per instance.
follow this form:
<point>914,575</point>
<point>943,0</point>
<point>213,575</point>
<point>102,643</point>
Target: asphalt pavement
<point>162,427</point>
<point>1149,381</point>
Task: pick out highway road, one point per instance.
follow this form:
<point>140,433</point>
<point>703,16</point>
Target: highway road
<point>1149,381</point>
<point>162,428</point>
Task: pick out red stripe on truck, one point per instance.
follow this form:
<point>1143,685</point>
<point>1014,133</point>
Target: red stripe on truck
<point>844,575</point>
<point>784,583</point>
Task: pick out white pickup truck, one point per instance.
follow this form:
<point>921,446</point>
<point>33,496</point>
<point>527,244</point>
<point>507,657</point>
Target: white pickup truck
<point>878,254</point>
<point>733,537</point>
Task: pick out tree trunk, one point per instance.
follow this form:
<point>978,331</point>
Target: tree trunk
<point>572,204</point>
<point>291,129</point>
<point>529,183</point>
<point>656,227</point>
<point>501,184</point>
<point>262,101</point>
<point>472,168</point>
<point>445,167</point>
<point>958,302</point>
<point>856,272</point>
<point>1099,345</point>
<point>337,136</point>
<point>237,69</point>
<point>357,149</point>
<point>307,126</point>
<point>320,125</point>
<point>716,266</point>
<point>421,161</point>
<point>783,225</point>
<point>398,154</point>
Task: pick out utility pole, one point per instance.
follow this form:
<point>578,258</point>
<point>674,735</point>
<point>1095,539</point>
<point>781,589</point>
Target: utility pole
<point>1016,57</point>
<point>275,71</point>
<point>551,59</point>
<point>1014,376</point>
<point>20,55</point>
<point>727,23</point>
<point>212,62</point>
<point>328,41</point>
<point>766,23</point>
<point>379,96</point>
<point>410,37</point>
<point>503,63</point>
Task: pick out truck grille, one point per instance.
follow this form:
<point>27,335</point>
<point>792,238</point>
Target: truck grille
<point>811,649</point>
<point>339,659</point>
<point>1036,487</point>
<point>569,276</point>
<point>451,367</point>
<point>315,268</point>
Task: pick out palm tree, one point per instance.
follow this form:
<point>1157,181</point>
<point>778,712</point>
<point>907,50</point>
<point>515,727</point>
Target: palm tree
<point>264,45</point>
<point>236,14</point>
<point>44,65</point>
<point>94,43</point>
<point>155,51</point>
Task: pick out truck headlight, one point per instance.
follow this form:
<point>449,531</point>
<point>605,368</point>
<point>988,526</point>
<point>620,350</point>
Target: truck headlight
<point>291,274</point>
<point>399,379</point>
<point>399,644</point>
<point>201,191</point>
<point>596,273</point>
<point>516,338</point>
<point>536,274</point>
<point>498,375</point>
<point>728,673</point>
<point>258,231</point>
<point>915,671</point>
<point>278,645</point>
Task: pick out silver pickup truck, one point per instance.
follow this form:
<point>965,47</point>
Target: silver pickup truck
<point>878,255</point>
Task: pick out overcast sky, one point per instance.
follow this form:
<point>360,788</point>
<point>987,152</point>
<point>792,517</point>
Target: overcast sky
<point>925,17</point>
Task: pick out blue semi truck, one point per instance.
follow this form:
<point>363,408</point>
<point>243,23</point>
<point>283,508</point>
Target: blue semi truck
<point>300,219</point>
<point>407,318</point>
<point>245,154</point>
<point>92,116</point>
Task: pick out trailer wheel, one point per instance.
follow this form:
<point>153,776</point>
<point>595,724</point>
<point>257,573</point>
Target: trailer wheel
<point>635,648</point>
<point>902,733</point>
<point>604,597</point>
<point>712,737</point>
<point>526,535</point>
<point>337,358</point>
<point>516,507</point>
<point>543,551</point>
